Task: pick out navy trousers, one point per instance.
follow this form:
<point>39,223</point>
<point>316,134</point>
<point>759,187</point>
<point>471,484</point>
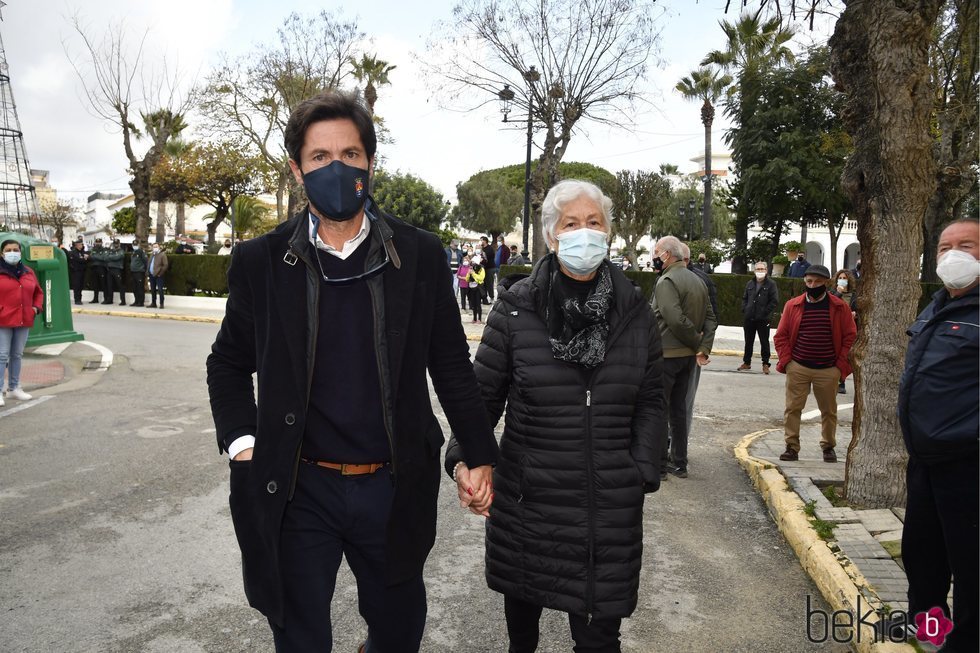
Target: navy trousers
<point>333,516</point>
<point>940,540</point>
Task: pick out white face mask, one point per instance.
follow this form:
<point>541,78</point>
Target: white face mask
<point>957,269</point>
<point>842,283</point>
<point>156,250</point>
<point>12,258</point>
<point>760,275</point>
<point>582,250</point>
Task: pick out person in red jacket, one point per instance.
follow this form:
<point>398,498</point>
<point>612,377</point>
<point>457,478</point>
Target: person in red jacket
<point>20,300</point>
<point>813,341</point>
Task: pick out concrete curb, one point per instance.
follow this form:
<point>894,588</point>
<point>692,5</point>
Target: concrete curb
<point>150,316</point>
<point>839,587</point>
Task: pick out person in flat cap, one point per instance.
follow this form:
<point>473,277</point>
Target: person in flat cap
<point>813,341</point>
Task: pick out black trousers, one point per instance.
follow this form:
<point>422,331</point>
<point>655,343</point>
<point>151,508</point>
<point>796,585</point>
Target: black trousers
<point>98,282</point>
<point>113,283</point>
<point>138,282</point>
<point>751,329</point>
<point>475,302</point>
<point>940,539</point>
<point>596,636</point>
<point>77,284</point>
<point>463,293</point>
<point>677,381</point>
<point>333,516</point>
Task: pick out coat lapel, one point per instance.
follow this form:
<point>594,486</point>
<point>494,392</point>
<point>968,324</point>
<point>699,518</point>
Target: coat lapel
<point>291,300</point>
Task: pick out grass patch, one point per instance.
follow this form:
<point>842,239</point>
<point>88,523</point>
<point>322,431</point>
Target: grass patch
<point>810,508</point>
<point>835,499</point>
<point>894,548</point>
<point>824,529</point>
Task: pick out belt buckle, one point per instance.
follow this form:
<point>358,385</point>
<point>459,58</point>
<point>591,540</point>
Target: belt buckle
<point>343,469</point>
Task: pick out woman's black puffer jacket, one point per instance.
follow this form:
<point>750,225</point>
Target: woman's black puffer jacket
<point>577,452</point>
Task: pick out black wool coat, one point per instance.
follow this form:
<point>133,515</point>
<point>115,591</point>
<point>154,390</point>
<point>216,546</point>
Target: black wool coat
<point>578,450</point>
<point>270,329</point>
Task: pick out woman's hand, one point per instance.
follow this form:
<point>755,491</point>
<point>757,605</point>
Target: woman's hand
<point>475,488</point>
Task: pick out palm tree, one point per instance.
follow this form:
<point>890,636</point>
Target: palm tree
<point>753,46</point>
<point>372,71</point>
<point>249,213</point>
<point>706,84</point>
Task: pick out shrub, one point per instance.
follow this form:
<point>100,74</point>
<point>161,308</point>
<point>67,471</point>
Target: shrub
<point>204,272</point>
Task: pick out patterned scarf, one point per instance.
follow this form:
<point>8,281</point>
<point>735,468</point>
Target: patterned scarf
<point>578,329</point>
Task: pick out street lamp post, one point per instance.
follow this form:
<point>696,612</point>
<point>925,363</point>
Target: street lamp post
<point>506,98</point>
<point>691,214</point>
<point>681,212</point>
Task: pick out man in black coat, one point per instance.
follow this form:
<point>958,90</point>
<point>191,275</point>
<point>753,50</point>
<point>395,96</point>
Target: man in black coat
<point>940,419</point>
<point>340,312</point>
<point>77,261</point>
<point>760,299</point>
<point>97,262</point>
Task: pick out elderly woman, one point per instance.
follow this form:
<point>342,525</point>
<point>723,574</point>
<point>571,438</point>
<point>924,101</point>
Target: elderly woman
<point>573,351</point>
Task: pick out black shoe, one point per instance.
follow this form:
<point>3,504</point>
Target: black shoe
<point>789,454</point>
<point>153,305</point>
<point>829,455</point>
<point>94,301</point>
<point>107,303</point>
<point>78,303</point>
<point>841,389</point>
<point>122,303</point>
<point>679,472</point>
<point>664,474</point>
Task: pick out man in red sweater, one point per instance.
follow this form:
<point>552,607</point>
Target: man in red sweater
<point>813,341</point>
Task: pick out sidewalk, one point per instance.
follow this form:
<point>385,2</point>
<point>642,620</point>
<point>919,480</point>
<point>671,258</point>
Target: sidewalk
<point>60,367</point>
<point>858,568</point>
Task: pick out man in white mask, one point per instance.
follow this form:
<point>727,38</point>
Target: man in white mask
<point>938,412</point>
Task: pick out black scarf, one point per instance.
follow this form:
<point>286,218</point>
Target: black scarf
<point>13,270</point>
<point>578,329</point>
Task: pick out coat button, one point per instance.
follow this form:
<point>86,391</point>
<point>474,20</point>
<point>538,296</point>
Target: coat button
<point>290,419</point>
<point>272,487</point>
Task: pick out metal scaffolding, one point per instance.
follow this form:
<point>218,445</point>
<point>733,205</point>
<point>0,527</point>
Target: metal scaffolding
<point>18,201</point>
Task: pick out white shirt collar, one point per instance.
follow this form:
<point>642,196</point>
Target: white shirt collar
<point>349,246</point>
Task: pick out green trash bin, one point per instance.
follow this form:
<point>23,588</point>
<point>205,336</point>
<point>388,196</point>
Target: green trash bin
<point>53,324</point>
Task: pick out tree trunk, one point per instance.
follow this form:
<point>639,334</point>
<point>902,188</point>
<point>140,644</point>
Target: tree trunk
<point>282,190</point>
<point>879,59</point>
<point>161,220</point>
<point>178,221</point>
<point>834,238</point>
<point>140,185</point>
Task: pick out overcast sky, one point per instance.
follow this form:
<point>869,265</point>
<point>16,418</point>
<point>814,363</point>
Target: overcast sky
<point>84,154</point>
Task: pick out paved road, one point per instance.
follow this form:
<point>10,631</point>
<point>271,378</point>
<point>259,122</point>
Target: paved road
<point>115,534</point>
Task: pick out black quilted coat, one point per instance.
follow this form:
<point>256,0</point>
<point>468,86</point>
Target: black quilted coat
<point>577,452</point>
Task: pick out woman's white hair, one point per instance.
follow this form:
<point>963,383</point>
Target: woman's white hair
<point>567,191</point>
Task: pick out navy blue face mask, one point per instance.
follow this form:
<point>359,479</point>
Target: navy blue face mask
<point>338,190</point>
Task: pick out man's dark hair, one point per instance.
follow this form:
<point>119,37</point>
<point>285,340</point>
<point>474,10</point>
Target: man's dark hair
<point>330,105</point>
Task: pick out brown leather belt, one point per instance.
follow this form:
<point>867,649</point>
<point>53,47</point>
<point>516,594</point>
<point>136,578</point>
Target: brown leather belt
<point>346,469</point>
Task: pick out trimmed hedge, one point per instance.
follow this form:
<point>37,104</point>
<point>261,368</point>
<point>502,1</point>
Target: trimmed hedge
<point>730,288</point>
<point>189,273</point>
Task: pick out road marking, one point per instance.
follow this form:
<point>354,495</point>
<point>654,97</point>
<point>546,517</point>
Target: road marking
<point>106,353</point>
<point>816,413</point>
<point>52,350</point>
<point>26,405</point>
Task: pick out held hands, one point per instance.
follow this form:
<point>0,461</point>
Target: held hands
<point>475,488</point>
<point>702,359</point>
